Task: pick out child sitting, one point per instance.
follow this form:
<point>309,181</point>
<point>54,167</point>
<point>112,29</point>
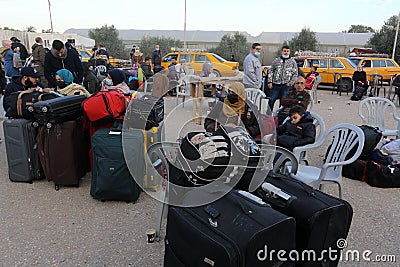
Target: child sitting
<point>299,130</point>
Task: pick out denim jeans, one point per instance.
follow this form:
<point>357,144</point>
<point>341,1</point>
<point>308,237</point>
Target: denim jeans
<point>277,91</point>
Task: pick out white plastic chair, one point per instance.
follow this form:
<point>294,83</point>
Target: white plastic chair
<point>345,137</point>
<point>372,111</point>
<point>184,86</point>
<point>256,96</point>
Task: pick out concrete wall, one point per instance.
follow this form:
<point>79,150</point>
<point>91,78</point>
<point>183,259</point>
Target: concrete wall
<point>28,38</point>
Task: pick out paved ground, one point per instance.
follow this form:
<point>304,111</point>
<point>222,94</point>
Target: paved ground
<point>43,227</point>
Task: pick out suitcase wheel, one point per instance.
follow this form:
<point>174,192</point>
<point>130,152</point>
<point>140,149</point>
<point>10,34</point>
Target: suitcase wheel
<point>35,124</point>
<point>57,187</point>
<point>49,125</point>
<point>44,109</point>
<point>30,109</point>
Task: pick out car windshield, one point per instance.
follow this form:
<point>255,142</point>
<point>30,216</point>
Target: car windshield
<point>85,54</point>
<point>355,60</point>
<point>351,63</point>
<point>220,59</point>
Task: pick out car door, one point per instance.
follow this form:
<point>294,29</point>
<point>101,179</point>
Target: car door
<point>322,64</point>
<point>199,60</point>
<point>391,68</point>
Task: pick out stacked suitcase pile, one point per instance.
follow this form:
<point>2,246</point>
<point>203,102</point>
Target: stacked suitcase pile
<point>283,223</point>
<point>40,126</point>
<point>118,173</point>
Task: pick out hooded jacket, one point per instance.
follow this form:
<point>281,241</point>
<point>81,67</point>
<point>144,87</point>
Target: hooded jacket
<point>70,61</point>
<point>292,135</point>
<point>39,53</point>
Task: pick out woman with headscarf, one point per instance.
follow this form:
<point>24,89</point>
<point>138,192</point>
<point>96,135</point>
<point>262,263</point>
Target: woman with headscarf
<point>66,86</point>
<point>234,111</point>
<point>115,81</point>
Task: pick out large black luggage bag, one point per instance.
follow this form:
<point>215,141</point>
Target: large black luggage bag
<point>235,230</point>
<point>57,110</point>
<point>322,220</point>
<point>111,178</point>
<point>63,153</point>
<point>22,154</point>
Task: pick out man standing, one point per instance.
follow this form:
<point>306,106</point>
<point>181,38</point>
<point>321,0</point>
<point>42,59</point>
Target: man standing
<point>282,75</point>
<point>38,54</point>
<point>252,68</point>
<point>156,56</point>
<point>60,58</point>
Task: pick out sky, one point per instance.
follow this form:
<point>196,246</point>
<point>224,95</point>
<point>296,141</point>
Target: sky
<point>253,17</point>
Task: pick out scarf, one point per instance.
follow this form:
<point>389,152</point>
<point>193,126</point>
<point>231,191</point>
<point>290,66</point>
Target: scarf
<point>237,108</point>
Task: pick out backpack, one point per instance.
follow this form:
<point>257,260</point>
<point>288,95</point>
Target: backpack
<point>358,93</point>
<point>372,137</point>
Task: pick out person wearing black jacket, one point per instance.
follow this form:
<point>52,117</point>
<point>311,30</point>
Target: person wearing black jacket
<point>234,111</point>
<point>61,58</point>
<point>156,56</point>
<point>298,131</point>
<point>22,49</point>
<point>29,79</point>
<point>360,78</point>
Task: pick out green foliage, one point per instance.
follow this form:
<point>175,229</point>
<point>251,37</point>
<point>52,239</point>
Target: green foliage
<point>306,40</point>
<point>383,39</point>
<point>147,44</point>
<point>360,29</point>
<point>109,37</point>
<point>232,44</point>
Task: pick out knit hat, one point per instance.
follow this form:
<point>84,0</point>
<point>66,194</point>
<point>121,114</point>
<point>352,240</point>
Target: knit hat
<point>117,76</point>
<point>66,75</point>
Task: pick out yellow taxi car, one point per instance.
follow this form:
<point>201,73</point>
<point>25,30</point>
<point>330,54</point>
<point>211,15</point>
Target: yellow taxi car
<point>87,54</point>
<point>195,60</point>
<point>386,67</point>
<point>327,67</point>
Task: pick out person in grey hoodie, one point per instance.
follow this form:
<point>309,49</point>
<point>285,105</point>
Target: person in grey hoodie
<point>252,68</point>
<point>282,76</point>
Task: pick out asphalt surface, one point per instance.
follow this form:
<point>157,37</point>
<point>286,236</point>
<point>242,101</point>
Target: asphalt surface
<point>40,226</point>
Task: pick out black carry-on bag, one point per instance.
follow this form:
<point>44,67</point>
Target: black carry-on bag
<point>321,220</point>
<point>238,229</point>
<point>22,154</point>
<point>57,110</point>
<point>147,112</point>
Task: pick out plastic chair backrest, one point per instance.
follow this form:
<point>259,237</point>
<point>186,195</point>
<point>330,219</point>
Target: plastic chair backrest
<point>255,96</point>
<point>372,111</point>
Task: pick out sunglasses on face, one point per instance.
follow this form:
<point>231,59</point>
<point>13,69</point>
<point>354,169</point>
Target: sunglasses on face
<point>299,82</point>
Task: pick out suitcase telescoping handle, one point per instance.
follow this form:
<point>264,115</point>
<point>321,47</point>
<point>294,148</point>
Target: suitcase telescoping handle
<point>275,192</point>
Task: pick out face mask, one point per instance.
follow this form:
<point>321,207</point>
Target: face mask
<point>28,83</point>
<point>61,84</point>
<point>108,81</point>
<point>137,50</point>
<point>256,54</point>
<point>232,98</point>
<point>285,56</point>
<point>157,49</point>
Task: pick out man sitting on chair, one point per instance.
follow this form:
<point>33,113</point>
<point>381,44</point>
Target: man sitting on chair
<point>296,96</point>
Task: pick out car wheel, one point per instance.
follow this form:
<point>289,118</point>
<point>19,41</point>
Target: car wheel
<point>216,73</point>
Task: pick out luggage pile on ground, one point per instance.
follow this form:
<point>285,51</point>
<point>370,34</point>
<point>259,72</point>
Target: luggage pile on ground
<point>40,126</point>
<point>378,167</point>
<point>247,229</point>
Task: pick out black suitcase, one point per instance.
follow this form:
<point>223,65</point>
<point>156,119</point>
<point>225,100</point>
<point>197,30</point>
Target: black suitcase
<point>322,220</point>
<point>111,177</point>
<point>22,155</point>
<point>53,111</point>
<point>145,112</point>
<point>20,104</point>
<point>62,152</point>
<point>236,230</point>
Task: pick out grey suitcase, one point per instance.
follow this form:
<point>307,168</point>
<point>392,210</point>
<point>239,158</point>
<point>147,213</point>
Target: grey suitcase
<point>21,147</point>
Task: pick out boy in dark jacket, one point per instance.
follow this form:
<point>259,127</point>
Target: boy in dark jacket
<point>298,131</point>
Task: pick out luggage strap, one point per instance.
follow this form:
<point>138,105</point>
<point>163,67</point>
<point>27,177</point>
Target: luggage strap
<point>30,90</point>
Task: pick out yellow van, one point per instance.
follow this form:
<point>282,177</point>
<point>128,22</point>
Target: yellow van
<point>386,67</point>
